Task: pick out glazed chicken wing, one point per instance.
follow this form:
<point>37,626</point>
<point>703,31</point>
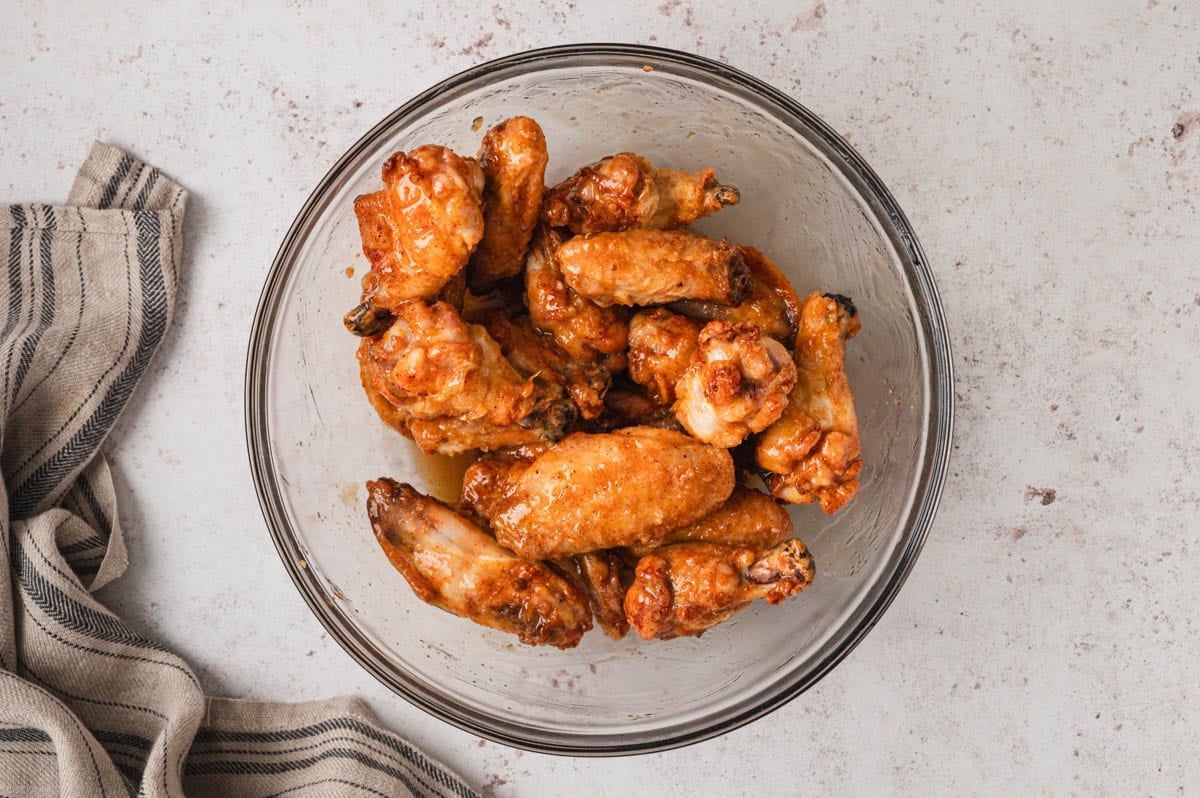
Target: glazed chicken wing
<point>450,562</point>
<point>514,162</point>
<point>771,302</point>
<point>653,267</point>
<point>624,191</point>
<point>661,346</point>
<point>584,330</point>
<point>419,231</point>
<point>812,452</point>
<point>749,519</point>
<point>599,574</point>
<point>591,492</point>
<point>687,588</point>
<point>432,370</point>
<point>737,384</point>
<point>535,354</point>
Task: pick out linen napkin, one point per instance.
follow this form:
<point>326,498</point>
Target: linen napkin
<point>89,707</point>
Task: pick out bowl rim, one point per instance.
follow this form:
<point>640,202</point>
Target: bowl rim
<point>933,471</point>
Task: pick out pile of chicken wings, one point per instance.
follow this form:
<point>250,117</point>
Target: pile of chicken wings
<point>621,378</point>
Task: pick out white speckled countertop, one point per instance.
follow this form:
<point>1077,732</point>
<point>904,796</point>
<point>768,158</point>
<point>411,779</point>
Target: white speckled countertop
<point>1047,154</point>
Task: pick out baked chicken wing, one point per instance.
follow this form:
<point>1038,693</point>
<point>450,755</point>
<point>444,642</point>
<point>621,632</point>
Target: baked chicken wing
<point>661,346</point>
<point>748,519</point>
<point>737,384</point>
<point>419,231</point>
<point>653,267</point>
<point>812,452</point>
<point>452,563</point>
<point>599,573</point>
<point>514,163</point>
<point>770,303</point>
<point>687,588</point>
<point>585,331</point>
<point>447,384</point>
<point>535,354</point>
<point>599,491</point>
<point>624,191</point>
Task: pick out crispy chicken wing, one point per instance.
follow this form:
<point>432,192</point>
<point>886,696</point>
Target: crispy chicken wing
<point>535,354</point>
<point>419,231</point>
<point>687,588</point>
<point>812,452</point>
<point>591,492</point>
<point>585,331</point>
<point>653,267</point>
<point>624,191</point>
<point>661,346</point>
<point>450,562</point>
<point>430,372</point>
<point>599,573</point>
<point>749,519</point>
<point>770,302</point>
<point>737,384</point>
<point>514,162</point>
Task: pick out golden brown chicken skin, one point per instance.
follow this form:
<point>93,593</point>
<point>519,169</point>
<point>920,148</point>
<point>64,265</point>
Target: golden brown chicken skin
<point>624,191</point>
<point>535,354</point>
<point>584,330</point>
<point>685,589</point>
<point>812,452</point>
<point>737,384</point>
<point>599,573</point>
<point>748,519</point>
<point>661,347</point>
<point>653,267</point>
<point>419,231</point>
<point>514,159</point>
<point>430,371</point>
<point>452,563</point>
<point>770,303</point>
<point>601,491</point>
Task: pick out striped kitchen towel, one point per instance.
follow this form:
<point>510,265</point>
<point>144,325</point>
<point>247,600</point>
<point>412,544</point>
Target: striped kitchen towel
<point>89,707</point>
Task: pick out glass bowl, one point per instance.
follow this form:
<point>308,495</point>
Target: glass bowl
<point>809,202</point>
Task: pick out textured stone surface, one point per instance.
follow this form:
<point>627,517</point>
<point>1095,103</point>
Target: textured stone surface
<point>1047,155</point>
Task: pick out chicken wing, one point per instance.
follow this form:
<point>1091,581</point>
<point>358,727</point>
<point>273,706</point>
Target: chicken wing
<point>451,563</point>
<point>431,371</point>
<point>514,162</point>
<point>661,346</point>
<point>812,452</point>
<point>749,519</point>
<point>687,588</point>
<point>653,267</point>
<point>536,355</point>
<point>737,384</point>
<point>771,302</point>
<point>584,330</point>
<point>627,405</point>
<point>591,492</point>
<point>419,231</point>
<point>599,573</point>
<point>624,191</point>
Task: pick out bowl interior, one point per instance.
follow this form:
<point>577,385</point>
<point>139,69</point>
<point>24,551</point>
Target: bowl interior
<point>316,440</point>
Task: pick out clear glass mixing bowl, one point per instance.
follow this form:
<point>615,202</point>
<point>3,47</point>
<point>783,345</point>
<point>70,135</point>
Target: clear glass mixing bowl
<point>808,201</point>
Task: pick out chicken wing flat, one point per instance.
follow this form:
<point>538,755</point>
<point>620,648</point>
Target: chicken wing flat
<point>812,452</point>
<point>536,355</point>
<point>770,303</point>
<point>737,384</point>
<point>452,563</point>
<point>584,330</point>
<point>624,191</point>
<point>653,267</point>
<point>514,162</point>
<point>590,492</point>
<point>419,231</point>
<point>661,346</point>
<point>749,519</point>
<point>431,371</point>
<point>687,588</point>
<point>599,574</point>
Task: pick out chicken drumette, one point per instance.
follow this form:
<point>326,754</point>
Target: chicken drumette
<point>812,452</point>
<point>452,563</point>
<point>624,191</point>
